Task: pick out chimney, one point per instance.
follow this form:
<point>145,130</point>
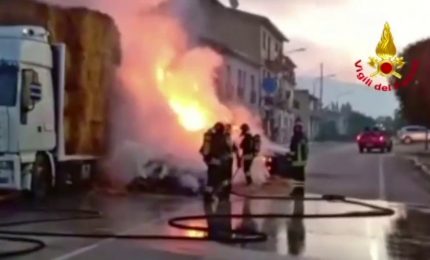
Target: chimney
<point>234,4</point>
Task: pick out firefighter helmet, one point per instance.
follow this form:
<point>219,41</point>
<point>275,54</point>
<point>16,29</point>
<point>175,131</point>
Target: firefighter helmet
<point>219,127</point>
<point>298,127</point>
<point>244,127</point>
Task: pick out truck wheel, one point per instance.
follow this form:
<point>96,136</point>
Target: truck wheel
<point>41,177</point>
<point>361,149</point>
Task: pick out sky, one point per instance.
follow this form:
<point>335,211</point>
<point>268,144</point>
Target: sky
<point>340,32</point>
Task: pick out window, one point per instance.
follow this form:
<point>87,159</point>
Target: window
<point>228,86</point>
<point>239,83</point>
<point>239,78</point>
<point>264,40</point>
<point>8,84</point>
<point>296,104</point>
<point>269,44</point>
<point>415,129</point>
<point>253,90</point>
<point>228,78</point>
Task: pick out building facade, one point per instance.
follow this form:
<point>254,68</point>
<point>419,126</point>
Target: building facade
<point>339,115</point>
<point>306,108</point>
<point>252,42</point>
<point>237,80</point>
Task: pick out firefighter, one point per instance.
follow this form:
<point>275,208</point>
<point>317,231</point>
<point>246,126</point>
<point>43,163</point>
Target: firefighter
<point>204,150</point>
<point>233,151</point>
<point>299,153</point>
<point>214,152</point>
<point>248,151</point>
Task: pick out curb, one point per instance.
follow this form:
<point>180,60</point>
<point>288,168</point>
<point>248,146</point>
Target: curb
<point>416,162</point>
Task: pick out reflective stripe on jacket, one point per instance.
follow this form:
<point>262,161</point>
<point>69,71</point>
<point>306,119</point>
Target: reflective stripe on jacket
<point>300,153</point>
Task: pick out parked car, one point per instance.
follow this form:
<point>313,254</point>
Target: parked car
<point>374,138</point>
<point>413,133</point>
<point>277,160</point>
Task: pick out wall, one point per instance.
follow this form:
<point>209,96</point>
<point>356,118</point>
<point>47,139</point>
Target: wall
<point>231,29</point>
<point>231,83</point>
<point>270,45</point>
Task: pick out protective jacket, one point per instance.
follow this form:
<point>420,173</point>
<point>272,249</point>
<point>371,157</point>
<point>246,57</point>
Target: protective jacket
<point>299,150</point>
<point>215,148</point>
<point>247,146</point>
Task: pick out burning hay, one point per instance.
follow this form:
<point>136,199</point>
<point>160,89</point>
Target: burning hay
<point>93,53</point>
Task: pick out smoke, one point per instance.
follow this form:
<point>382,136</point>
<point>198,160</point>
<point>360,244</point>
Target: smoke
<point>166,97</point>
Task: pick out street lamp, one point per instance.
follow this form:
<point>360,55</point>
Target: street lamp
<point>296,50</point>
<point>321,78</point>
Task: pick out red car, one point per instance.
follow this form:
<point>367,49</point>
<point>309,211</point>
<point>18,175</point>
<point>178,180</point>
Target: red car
<point>371,139</point>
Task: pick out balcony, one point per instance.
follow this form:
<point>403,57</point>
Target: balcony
<point>290,77</point>
<point>268,101</point>
<point>284,66</point>
<point>284,104</point>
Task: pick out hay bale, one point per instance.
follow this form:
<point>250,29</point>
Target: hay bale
<point>93,54</point>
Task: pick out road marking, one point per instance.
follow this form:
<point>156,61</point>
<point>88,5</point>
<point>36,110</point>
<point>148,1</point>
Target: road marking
<point>381,175</point>
<point>85,249</point>
<point>77,252</point>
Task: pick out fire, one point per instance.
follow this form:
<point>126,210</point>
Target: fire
<point>166,82</point>
<point>191,115</point>
<point>184,98</point>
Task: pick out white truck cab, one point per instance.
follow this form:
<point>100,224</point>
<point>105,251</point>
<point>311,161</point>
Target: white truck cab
<point>32,90</point>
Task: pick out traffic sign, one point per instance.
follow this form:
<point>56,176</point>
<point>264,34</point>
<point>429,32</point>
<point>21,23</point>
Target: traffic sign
<point>270,85</point>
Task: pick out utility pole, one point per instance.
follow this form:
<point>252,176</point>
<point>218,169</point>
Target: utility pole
<point>426,146</point>
<point>321,83</point>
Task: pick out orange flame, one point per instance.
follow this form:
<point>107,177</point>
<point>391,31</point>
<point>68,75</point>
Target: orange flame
<point>191,113</point>
<point>167,85</point>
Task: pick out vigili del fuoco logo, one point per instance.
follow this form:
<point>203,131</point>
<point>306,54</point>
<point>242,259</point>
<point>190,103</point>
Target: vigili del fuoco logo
<point>386,64</point>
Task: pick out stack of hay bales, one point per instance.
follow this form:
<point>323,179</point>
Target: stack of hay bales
<point>93,54</point>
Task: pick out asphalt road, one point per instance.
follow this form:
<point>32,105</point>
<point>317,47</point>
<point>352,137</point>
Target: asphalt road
<point>341,169</point>
<point>333,169</point>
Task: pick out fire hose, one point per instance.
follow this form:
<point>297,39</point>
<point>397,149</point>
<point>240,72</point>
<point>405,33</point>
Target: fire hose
<point>235,236</point>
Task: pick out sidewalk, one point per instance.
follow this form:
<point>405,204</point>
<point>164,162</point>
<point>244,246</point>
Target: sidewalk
<point>417,155</point>
<point>421,160</point>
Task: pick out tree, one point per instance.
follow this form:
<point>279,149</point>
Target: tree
<point>399,121</point>
<point>387,122</point>
<point>328,131</point>
<point>357,122</point>
<point>413,89</point>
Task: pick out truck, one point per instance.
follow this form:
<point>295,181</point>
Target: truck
<point>34,155</point>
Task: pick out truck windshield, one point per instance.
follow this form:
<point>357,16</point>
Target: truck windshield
<point>8,84</point>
